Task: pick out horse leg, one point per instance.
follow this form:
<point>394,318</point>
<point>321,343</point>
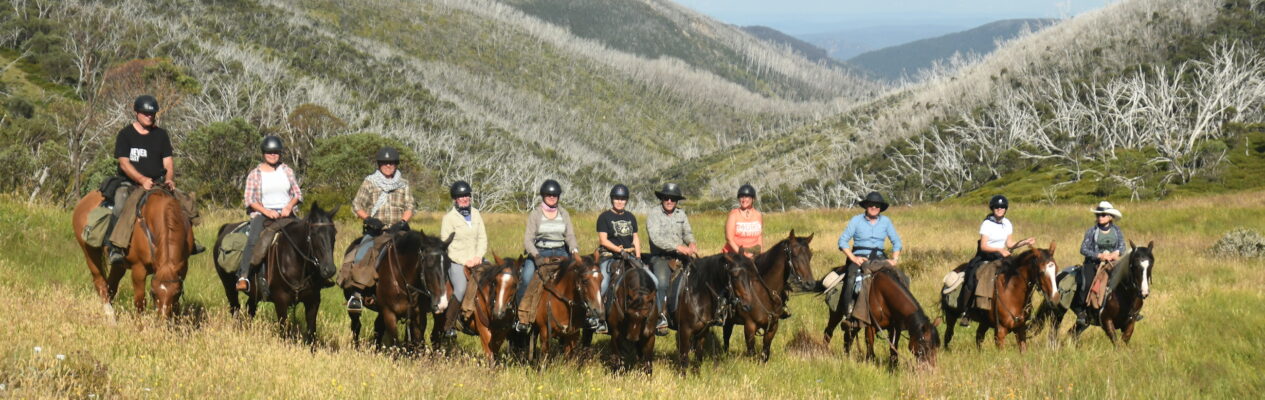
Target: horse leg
<point>684,337</point>
<point>831,324</point>
<point>893,359</point>
<point>870,331</point>
<point>726,332</point>
<point>355,328</point>
<point>281,304</point>
<point>849,336</point>
<point>748,334</point>
<point>698,349</point>
<point>647,354</point>
<point>379,331</point>
<point>980,332</point>
<point>768,340</point>
<point>1021,336</point>
<point>1109,326</point>
<point>485,338</point>
<point>949,324</point>
<point>138,287</point>
<point>1128,331</point>
<point>229,282</point>
<point>1000,334</point>
<point>311,308</point>
<point>390,322</point>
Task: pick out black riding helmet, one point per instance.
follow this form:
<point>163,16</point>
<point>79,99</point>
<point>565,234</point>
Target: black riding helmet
<point>998,201</point>
<point>271,144</point>
<point>459,189</point>
<point>550,188</point>
<point>746,190</point>
<point>388,154</point>
<point>145,104</point>
<point>619,191</point>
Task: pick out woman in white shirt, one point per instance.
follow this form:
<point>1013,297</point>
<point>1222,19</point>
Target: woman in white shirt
<point>271,193</point>
<point>995,242</point>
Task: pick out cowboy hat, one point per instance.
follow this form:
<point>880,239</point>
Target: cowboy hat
<point>1106,208</point>
<point>669,191</point>
<point>874,198</point>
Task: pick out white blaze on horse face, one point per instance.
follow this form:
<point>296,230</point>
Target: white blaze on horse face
<point>443,305</point>
<point>1146,278</point>
<point>500,294</point>
<point>598,275</point>
<point>1049,274</point>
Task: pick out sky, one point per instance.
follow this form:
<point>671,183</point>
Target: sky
<point>814,16</point>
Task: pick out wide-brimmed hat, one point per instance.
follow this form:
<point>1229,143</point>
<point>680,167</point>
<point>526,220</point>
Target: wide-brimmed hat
<point>1106,208</point>
<point>669,191</point>
<point>874,198</point>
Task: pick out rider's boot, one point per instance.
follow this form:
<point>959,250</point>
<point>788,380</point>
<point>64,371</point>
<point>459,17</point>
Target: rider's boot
<point>117,255</point>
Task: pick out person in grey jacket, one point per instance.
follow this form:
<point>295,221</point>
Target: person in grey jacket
<point>549,234</point>
<point>670,237</point>
<point>1103,242</point>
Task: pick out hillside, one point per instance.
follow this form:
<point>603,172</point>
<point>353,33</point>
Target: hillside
<point>909,60</point>
<point>465,85</point>
<point>808,50</point>
<point>849,41</point>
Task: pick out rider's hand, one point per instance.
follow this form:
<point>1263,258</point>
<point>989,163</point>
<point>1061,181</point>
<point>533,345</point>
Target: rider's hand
<point>473,262</point>
<point>271,214</point>
<point>859,260</point>
<point>287,211</point>
<point>1005,253</point>
<point>171,184</point>
<point>374,224</point>
<point>893,261</point>
<point>147,184</point>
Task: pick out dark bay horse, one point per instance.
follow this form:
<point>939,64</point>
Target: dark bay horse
<point>631,315</point>
<point>787,264</point>
<point>707,296</point>
<point>1012,297</point>
<point>412,279</point>
<point>1121,308</point>
<point>567,305</point>
<point>893,308</point>
<point>292,268</point>
<point>494,308</point>
<point>161,244</point>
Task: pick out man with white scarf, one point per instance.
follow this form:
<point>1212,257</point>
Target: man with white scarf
<point>383,200</point>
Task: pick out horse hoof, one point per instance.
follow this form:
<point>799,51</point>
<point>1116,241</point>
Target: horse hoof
<point>109,314</point>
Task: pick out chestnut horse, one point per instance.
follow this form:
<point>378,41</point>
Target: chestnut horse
<point>631,314</point>
<point>494,309</point>
<point>893,308</point>
<point>293,268</point>
<point>787,264</point>
<point>161,244</point>
<point>1121,308</point>
<point>1012,297</point>
<point>411,281</point>
<point>570,303</point>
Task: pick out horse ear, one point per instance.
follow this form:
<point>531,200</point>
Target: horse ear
<point>451,236</point>
<point>334,212</point>
<point>1132,246</point>
<point>809,239</point>
<point>936,323</point>
<point>792,236</point>
<point>497,258</point>
<point>1051,247</point>
<point>1151,245</point>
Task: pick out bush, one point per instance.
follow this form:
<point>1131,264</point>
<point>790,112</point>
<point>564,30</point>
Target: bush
<point>340,163</point>
<point>1241,242</point>
<point>214,160</point>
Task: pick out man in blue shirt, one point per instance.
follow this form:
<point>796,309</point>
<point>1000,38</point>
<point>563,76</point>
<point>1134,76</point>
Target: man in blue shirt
<point>867,232</point>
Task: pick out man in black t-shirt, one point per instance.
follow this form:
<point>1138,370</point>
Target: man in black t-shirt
<point>144,153</point>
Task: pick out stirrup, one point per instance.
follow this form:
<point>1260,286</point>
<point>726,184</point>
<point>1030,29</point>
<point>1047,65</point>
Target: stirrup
<point>520,327</point>
<point>354,304</point>
<point>243,284</point>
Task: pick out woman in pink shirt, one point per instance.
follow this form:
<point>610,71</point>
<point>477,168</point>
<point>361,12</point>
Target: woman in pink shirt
<point>745,227</point>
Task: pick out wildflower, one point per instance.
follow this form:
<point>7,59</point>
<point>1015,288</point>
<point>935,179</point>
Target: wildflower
<point>38,349</point>
<point>61,357</point>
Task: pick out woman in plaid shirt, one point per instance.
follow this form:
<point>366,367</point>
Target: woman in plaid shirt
<point>271,193</point>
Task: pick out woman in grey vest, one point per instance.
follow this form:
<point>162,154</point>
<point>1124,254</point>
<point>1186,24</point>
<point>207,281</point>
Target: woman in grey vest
<point>549,233</point>
<point>1104,242</point>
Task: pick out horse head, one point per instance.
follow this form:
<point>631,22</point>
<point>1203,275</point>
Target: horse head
<point>432,270</point>
<point>589,284</point>
<point>924,340</point>
<point>742,280</point>
<point>799,257</point>
<point>1141,263</point>
<point>1043,269</point>
<point>321,234</point>
<point>504,285</point>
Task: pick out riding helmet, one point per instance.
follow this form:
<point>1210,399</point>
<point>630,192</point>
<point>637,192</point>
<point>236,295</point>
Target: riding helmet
<point>619,191</point>
<point>146,104</point>
<point>998,201</point>
<point>746,190</point>
<point>459,189</point>
<point>550,188</point>
<point>271,144</point>
<point>388,155</point>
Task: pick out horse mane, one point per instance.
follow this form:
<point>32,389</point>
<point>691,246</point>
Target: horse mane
<point>917,320</point>
<point>766,256</point>
<point>176,226</point>
<point>709,269</point>
<point>1011,267</point>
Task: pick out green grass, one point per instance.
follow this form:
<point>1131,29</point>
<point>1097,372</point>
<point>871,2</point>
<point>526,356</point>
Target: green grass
<point>1200,337</point>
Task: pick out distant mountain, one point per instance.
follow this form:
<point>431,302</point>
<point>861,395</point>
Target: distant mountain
<point>847,43</point>
<point>906,60</point>
<point>805,49</point>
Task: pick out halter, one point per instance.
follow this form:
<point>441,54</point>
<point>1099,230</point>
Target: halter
<point>311,260</point>
<point>790,264</point>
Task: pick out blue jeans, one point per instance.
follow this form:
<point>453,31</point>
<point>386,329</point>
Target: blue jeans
<point>365,244</point>
<point>529,269</point>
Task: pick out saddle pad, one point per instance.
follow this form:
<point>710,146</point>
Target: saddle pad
<point>984,287</point>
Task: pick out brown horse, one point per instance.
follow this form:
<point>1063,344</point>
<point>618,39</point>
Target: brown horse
<point>1012,297</point>
<point>707,296</point>
<point>293,268</point>
<point>1121,308</point>
<point>788,263</point>
<point>571,302</point>
<point>631,314</point>
<point>161,246</point>
<point>494,310</point>
<point>893,308</point>
<point>411,279</point>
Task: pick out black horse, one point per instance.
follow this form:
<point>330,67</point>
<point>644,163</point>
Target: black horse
<point>709,289</point>
<point>412,280</point>
<point>292,268</point>
<point>787,265</point>
<point>1121,309</point>
<point>631,314</point>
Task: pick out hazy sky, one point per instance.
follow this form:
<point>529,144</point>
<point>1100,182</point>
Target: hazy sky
<point>811,16</point>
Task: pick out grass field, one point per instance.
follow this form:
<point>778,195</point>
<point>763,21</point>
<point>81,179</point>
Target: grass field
<point>1201,336</point>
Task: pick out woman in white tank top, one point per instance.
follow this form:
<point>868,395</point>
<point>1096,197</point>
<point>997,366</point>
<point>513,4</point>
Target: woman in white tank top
<point>271,193</point>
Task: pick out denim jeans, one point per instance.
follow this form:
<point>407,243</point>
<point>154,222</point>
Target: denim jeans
<point>529,269</point>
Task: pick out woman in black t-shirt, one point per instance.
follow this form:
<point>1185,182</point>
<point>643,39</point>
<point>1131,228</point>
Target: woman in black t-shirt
<point>616,232</point>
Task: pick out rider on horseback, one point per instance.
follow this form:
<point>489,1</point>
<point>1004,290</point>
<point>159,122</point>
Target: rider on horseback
<point>384,197</point>
<point>469,243</point>
<point>1103,244</point>
<point>143,150</point>
<point>867,232</point>
<point>995,243</point>
<point>549,235</point>
<point>744,229</point>
<point>616,237</point>
<point>670,237</point>
<point>271,193</point>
